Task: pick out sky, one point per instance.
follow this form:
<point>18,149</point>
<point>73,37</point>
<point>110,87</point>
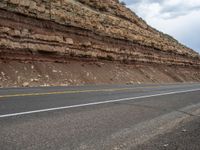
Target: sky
<point>178,18</point>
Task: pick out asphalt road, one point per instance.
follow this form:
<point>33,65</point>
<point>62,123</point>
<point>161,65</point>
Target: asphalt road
<point>93,117</point>
<point>184,137</point>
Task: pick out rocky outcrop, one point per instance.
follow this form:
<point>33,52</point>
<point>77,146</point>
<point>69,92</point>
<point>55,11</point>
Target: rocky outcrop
<point>92,30</point>
<point>86,28</point>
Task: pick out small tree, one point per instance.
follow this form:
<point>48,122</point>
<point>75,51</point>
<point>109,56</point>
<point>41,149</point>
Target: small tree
<point>123,3</point>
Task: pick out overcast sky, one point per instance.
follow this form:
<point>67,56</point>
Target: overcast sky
<point>179,18</point>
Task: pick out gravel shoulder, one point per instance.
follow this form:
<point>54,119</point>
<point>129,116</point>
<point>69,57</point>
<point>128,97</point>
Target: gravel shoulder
<point>184,137</point>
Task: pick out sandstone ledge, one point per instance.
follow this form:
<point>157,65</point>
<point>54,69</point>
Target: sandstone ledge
<point>103,18</point>
<point>33,36</point>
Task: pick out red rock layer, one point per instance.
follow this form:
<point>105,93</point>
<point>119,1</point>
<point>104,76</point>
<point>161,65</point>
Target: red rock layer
<point>94,29</point>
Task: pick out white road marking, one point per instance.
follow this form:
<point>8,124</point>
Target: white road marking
<point>95,103</point>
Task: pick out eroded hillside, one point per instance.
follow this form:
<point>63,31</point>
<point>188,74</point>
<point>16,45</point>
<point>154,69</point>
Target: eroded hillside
<point>86,32</point>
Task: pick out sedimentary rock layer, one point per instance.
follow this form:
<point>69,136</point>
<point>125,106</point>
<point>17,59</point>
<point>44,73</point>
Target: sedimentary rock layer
<point>84,28</point>
<point>94,41</point>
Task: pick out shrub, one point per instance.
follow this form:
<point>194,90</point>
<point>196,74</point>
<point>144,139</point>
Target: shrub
<point>123,3</point>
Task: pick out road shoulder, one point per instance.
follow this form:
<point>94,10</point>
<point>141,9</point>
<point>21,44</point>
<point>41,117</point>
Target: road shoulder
<point>185,136</point>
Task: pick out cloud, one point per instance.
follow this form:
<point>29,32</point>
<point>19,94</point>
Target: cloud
<point>164,8</point>
<point>184,28</point>
<point>179,18</point>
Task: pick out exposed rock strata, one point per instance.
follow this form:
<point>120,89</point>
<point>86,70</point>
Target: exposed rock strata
<point>58,30</point>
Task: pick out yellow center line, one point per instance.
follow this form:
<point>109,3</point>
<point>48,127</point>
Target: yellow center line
<point>71,92</point>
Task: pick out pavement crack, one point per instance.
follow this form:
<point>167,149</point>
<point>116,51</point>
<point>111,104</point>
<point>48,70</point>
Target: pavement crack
<point>183,112</point>
<point>157,108</point>
<point>144,106</point>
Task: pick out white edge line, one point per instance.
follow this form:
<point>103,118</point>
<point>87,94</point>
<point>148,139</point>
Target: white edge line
<point>95,103</point>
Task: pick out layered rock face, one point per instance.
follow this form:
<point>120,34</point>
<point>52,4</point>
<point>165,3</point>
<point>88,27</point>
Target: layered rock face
<point>59,30</point>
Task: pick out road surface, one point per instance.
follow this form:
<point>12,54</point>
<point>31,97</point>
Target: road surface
<point>94,117</point>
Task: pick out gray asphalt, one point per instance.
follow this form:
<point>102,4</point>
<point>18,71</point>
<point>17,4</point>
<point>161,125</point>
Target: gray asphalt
<point>117,125</point>
<point>184,137</point>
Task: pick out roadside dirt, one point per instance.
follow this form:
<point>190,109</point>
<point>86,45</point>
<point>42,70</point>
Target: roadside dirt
<point>72,72</point>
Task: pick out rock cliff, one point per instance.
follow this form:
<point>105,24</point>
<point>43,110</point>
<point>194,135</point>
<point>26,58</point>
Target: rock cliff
<point>52,31</point>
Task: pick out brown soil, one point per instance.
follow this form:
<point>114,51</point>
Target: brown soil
<point>73,72</point>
